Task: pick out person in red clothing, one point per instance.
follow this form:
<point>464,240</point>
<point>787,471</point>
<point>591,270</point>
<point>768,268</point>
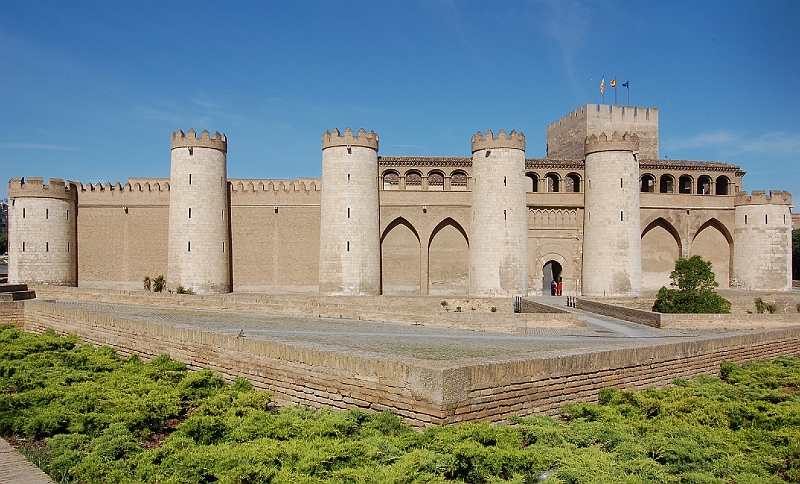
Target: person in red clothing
<point>560,287</point>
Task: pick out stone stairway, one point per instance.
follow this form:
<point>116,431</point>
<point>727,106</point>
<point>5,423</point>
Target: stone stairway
<point>15,292</point>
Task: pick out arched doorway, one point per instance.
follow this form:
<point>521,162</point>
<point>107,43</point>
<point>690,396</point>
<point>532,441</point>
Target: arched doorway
<point>550,272</point>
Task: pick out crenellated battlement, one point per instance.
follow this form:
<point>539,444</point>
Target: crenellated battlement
<point>206,140</point>
<point>34,187</point>
<point>514,140</point>
<point>609,114</point>
<point>760,197</point>
<point>136,186</point>
<point>625,142</point>
<point>258,186</point>
<point>362,138</point>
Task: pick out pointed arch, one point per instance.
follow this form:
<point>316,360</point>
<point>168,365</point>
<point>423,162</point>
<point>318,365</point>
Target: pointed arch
<point>661,247</point>
<point>448,259</point>
<point>713,242</point>
<point>400,258</point>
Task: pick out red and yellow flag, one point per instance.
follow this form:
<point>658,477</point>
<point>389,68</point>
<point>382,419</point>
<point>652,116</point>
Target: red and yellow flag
<point>603,85</point>
<point>613,82</point>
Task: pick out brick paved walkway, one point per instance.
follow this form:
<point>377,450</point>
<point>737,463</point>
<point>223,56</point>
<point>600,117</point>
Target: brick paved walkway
<point>16,469</point>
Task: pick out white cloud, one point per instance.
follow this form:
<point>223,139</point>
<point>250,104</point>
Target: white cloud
<point>34,146</point>
<point>732,144</point>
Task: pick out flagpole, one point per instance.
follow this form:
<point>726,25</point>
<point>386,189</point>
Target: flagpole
<point>628,88</point>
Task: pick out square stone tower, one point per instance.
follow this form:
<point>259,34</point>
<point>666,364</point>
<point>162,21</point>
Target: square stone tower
<point>566,137</point>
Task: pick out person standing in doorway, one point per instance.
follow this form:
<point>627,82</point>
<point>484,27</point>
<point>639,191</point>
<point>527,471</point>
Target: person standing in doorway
<point>559,287</point>
<point>553,287</point>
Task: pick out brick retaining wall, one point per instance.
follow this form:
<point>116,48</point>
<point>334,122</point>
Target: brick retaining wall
<point>422,392</point>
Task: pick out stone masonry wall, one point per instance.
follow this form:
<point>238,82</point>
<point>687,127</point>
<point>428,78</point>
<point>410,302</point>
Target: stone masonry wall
<point>421,392</point>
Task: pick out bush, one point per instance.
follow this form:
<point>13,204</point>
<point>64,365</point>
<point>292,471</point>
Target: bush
<point>159,284</point>
<point>3,243</point>
<point>695,294</point>
<point>183,290</point>
<point>762,306</point>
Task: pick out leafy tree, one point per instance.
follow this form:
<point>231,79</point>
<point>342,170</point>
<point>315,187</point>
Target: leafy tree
<point>796,254</point>
<point>159,283</point>
<point>3,243</point>
<point>695,282</point>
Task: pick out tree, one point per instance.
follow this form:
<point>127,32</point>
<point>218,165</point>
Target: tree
<point>796,254</point>
<point>695,282</point>
<point>3,243</point>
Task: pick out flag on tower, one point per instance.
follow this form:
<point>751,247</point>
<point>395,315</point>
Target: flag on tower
<point>625,84</point>
<point>603,86</point>
<point>613,83</point>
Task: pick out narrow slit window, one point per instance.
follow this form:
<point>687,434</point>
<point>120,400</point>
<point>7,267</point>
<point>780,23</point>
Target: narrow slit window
<point>190,178</point>
<point>23,213</point>
<point>276,209</point>
<point>621,216</point>
<point>348,246</point>
<point>348,212</point>
<point>47,213</point>
<point>505,217</point>
<point>47,246</point>
<point>23,247</point>
<point>766,219</point>
<point>504,182</point>
<point>67,214</point>
<point>348,179</point>
<point>223,247</point>
<point>620,182</point>
<point>745,219</point>
<point>190,212</point>
<point>67,246</point>
<point>188,246</point>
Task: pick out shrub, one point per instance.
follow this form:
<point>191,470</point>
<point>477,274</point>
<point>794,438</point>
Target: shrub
<point>184,290</point>
<point>695,294</point>
<point>762,306</point>
<point>159,284</point>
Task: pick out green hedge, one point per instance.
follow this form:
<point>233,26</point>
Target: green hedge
<point>85,415</point>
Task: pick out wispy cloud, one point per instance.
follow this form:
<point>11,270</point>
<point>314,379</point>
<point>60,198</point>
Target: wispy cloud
<point>732,143</point>
<point>34,146</point>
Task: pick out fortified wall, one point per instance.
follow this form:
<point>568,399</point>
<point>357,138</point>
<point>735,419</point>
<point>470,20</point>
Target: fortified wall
<point>422,220</point>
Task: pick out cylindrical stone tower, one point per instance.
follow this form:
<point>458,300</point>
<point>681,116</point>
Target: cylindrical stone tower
<point>612,243</point>
<point>498,246</point>
<point>349,248</point>
<point>42,232</point>
<point>762,241</point>
<point>199,234</point>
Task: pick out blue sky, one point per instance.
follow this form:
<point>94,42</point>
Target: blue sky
<point>92,91</point>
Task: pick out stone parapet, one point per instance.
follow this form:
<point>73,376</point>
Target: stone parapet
<point>363,139</point>
<point>190,140</point>
<point>488,141</point>
<point>34,187</point>
<point>760,197</point>
<point>625,142</point>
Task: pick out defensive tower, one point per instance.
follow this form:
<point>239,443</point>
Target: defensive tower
<point>762,239</point>
<point>349,248</point>
<point>566,137</point>
<point>42,232</point>
<point>612,244</point>
<point>498,252</point>
<point>199,235</point>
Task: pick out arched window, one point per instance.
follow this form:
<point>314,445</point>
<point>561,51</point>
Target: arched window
<point>573,183</point>
<point>648,184</point>
<point>704,185</point>
<point>458,181</point>
<point>435,180</point>
<point>552,180</point>
<point>666,184</point>
<point>391,180</point>
<point>533,182</point>
<point>685,184</point>
<point>722,185</point>
<point>413,180</point>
